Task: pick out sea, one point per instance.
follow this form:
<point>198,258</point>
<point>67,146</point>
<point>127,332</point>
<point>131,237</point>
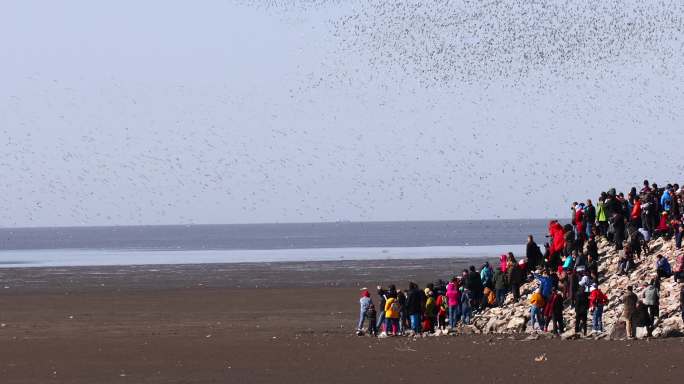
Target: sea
<point>264,243</point>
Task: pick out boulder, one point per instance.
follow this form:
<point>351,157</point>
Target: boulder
<point>618,330</point>
<point>517,324</point>
<point>513,316</point>
<point>570,335</point>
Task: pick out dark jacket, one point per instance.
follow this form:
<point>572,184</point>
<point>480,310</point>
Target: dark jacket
<point>499,280</point>
<point>641,317</point>
<point>590,214</point>
<point>592,249</point>
<point>557,303</point>
<point>383,299</point>
<point>515,275</point>
<point>582,302</point>
<point>474,282</point>
<point>401,299</point>
<point>414,299</point>
<point>612,207</point>
<point>533,254</point>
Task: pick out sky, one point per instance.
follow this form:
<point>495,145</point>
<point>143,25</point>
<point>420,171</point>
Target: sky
<point>170,112</point>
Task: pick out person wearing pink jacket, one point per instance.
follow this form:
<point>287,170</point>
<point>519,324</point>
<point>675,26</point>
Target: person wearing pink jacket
<point>453,298</point>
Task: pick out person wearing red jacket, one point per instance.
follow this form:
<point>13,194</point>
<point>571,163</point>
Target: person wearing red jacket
<point>558,241</point>
<point>548,310</point>
<point>597,299</point>
<point>635,216</point>
<point>579,221</point>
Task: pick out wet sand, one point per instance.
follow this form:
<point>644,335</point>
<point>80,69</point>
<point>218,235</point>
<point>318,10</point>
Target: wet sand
<point>252,323</point>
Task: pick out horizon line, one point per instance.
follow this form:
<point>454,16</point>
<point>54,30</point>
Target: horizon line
<point>267,223</point>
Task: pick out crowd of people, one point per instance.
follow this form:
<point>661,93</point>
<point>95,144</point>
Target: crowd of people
<point>567,272</point>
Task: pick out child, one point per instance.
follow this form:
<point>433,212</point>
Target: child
<point>489,299</point>
<point>536,306</point>
<point>430,310</point>
<point>442,309</point>
<point>392,310</point>
<point>371,315</point>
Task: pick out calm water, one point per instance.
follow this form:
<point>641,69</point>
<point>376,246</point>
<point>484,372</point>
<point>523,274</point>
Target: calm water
<point>262,242</point>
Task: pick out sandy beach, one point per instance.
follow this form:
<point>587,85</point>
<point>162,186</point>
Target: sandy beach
<point>267,323</point>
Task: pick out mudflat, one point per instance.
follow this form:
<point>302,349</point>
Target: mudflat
<point>270,323</point>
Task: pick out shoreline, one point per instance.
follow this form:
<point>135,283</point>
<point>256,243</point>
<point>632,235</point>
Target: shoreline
<point>133,257</point>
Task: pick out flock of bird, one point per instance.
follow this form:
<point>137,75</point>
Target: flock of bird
<point>429,146</point>
<point>447,42</point>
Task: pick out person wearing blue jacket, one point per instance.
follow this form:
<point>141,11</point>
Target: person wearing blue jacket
<point>569,262</point>
<point>486,275</point>
<point>545,283</point>
<point>666,200</point>
<point>663,267</point>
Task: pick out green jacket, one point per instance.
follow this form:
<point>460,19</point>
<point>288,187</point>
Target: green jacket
<point>499,280</point>
<point>601,213</point>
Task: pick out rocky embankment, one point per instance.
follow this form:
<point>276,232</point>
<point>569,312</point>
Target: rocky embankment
<point>514,318</point>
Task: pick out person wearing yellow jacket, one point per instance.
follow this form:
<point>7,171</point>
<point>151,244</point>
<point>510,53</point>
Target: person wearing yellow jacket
<point>536,307</point>
<point>392,310</point>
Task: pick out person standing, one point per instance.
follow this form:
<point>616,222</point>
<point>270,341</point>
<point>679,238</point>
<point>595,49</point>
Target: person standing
<point>581,310</point>
<point>601,217</point>
<point>414,306</point>
<point>500,287</point>
<point>635,215</point>
<point>381,307</point>
<point>364,302</point>
<point>453,294</point>
<point>536,307</point>
<point>403,315</point>
<point>651,298</point>
<point>392,310</point>
<point>533,254</point>
<point>629,302</point>
<point>475,287</point>
<point>430,310</point>
<point>372,314</point>
<point>557,309</point>
<point>597,299</point>
<point>466,309</point>
<point>589,217</point>
<point>486,275</point>
<point>515,277</point>
<point>618,221</point>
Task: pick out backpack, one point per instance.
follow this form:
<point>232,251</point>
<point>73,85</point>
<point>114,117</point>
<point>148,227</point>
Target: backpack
<point>430,306</point>
<point>444,304</point>
<point>395,307</point>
